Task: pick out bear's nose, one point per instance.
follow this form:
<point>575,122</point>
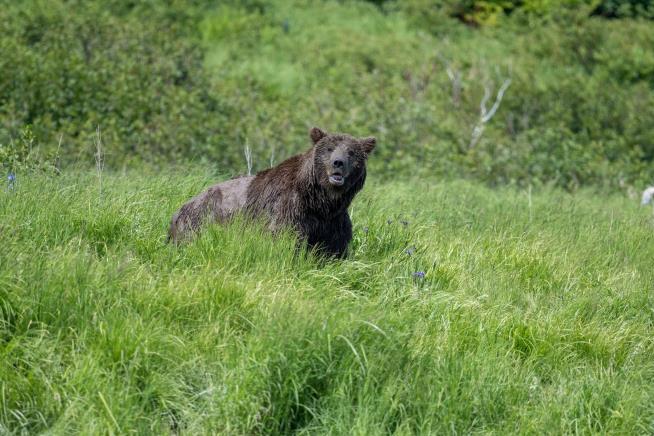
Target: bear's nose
<point>338,163</point>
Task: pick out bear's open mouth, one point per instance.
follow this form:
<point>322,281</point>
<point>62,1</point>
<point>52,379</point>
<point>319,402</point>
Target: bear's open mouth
<point>336,179</point>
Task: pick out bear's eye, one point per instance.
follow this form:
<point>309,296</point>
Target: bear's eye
<point>351,153</point>
<point>330,149</point>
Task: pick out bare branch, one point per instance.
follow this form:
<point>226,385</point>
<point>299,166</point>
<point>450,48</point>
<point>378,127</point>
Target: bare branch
<point>484,100</point>
<point>248,156</point>
<point>99,156</point>
<point>476,135</point>
<point>55,164</point>
<point>485,115</point>
<point>498,99</point>
<point>455,77</point>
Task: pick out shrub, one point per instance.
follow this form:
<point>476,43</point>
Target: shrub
<point>78,65</point>
<point>258,74</point>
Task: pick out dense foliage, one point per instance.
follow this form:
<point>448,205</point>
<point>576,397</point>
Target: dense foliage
<point>489,12</point>
<point>169,81</point>
<point>461,310</point>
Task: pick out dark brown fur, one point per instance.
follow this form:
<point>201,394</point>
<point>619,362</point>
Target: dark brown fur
<point>309,192</point>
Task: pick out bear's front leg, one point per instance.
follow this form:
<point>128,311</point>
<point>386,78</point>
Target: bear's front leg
<point>338,236</point>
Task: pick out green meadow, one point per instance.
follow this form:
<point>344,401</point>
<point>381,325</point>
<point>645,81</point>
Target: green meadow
<point>500,278</point>
<point>461,309</point>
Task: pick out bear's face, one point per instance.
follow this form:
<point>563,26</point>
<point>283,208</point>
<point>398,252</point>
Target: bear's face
<point>340,160</point>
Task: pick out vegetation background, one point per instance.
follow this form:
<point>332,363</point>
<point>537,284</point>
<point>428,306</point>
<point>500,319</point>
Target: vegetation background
<point>192,80</point>
<point>500,275</point>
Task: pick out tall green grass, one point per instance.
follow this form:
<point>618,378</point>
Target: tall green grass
<point>535,314</point>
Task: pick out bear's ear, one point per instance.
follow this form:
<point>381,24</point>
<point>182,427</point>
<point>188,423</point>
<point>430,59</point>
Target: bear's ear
<point>316,134</point>
<point>368,144</point>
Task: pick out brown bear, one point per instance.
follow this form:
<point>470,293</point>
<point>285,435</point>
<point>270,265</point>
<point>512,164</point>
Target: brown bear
<point>309,193</point>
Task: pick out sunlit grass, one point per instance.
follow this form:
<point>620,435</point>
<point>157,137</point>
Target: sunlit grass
<point>534,314</point>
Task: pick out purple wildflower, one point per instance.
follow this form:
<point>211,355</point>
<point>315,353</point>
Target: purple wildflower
<point>419,274</point>
<point>11,178</point>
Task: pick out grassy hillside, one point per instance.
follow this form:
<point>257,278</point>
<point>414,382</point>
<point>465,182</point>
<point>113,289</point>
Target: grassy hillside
<point>228,74</point>
<point>534,314</point>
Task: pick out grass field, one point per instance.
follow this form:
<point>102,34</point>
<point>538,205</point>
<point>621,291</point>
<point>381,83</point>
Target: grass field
<point>535,314</point>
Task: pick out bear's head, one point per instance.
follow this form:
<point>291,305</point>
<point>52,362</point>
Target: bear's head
<point>339,159</point>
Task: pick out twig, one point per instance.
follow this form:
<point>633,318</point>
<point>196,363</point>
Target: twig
<point>248,156</point>
<point>456,80</point>
<point>486,115</point>
<point>56,156</point>
<point>99,156</point>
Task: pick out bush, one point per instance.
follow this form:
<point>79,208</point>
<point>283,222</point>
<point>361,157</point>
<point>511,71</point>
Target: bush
<point>78,65</point>
<point>259,74</point>
<point>491,12</point>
